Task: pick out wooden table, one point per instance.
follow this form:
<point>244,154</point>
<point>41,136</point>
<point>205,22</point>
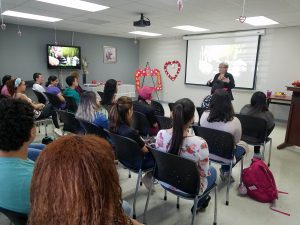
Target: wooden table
<point>292,135</point>
<point>279,100</point>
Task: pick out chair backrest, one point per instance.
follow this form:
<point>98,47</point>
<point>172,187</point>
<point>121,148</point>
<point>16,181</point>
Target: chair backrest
<point>128,151</point>
<point>41,98</point>
<point>140,123</point>
<point>91,128</point>
<point>185,177</point>
<point>200,111</point>
<point>70,104</point>
<point>53,99</point>
<point>253,128</point>
<point>171,105</point>
<point>158,108</point>
<point>220,143</point>
<point>71,124</point>
<point>101,94</point>
<point>164,122</point>
<point>15,217</point>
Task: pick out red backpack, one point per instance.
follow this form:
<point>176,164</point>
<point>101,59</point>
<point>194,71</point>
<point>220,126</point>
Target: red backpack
<point>260,182</point>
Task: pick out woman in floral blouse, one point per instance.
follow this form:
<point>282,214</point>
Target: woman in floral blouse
<point>179,141</point>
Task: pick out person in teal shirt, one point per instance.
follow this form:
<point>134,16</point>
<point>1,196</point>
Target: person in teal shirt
<point>72,82</point>
<point>17,131</point>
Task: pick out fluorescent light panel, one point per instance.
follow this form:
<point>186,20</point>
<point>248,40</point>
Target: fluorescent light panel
<point>30,16</point>
<point>143,33</point>
<point>259,21</point>
<point>77,4</point>
<point>190,28</point>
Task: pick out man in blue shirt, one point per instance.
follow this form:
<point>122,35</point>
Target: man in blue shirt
<point>17,131</point>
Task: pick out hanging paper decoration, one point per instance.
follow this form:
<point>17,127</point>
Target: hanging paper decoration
<point>147,71</point>
<point>180,5</point>
<point>242,18</point>
<point>172,63</point>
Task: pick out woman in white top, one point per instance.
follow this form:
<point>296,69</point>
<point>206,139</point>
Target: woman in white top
<point>179,141</point>
<point>221,117</point>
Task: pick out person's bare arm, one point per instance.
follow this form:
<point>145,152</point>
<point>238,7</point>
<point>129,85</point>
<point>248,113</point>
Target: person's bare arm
<point>61,97</point>
<point>135,222</point>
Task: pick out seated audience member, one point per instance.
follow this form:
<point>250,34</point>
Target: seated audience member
<point>119,122</point>
<point>72,82</point>
<point>144,106</point>
<point>110,91</point>
<point>89,110</point>
<point>258,108</point>
<point>17,131</point>
<point>53,89</point>
<point>77,88</point>
<point>17,87</point>
<point>3,89</point>
<point>206,101</point>
<point>78,185</point>
<point>179,141</point>
<point>221,117</point>
<point>37,86</point>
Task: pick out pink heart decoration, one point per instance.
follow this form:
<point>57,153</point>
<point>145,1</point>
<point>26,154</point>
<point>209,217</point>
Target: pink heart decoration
<point>242,19</point>
<point>170,63</point>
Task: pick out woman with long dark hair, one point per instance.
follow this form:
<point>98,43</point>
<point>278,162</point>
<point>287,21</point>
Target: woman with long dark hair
<point>120,120</point>
<point>89,110</point>
<point>179,141</point>
<point>220,116</point>
<point>258,108</point>
<point>52,88</point>
<point>110,91</point>
<point>77,185</point>
<point>3,89</point>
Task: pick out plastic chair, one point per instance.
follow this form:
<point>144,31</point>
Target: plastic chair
<point>91,128</point>
<point>71,105</point>
<point>185,177</point>
<point>221,149</point>
<point>158,108</point>
<point>255,133</point>
<point>41,98</point>
<point>130,155</point>
<point>141,123</point>
<point>71,124</point>
<point>15,217</point>
<point>200,111</point>
<point>54,100</point>
<point>164,122</point>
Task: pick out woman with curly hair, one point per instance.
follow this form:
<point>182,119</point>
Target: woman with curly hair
<point>78,185</point>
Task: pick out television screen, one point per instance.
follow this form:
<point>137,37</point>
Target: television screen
<point>63,57</point>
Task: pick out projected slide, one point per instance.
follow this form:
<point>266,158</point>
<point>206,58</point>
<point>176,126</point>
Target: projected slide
<point>204,56</point>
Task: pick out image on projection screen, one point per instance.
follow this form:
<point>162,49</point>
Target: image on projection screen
<point>204,56</point>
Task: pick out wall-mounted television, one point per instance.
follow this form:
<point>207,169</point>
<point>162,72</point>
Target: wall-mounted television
<point>63,57</point>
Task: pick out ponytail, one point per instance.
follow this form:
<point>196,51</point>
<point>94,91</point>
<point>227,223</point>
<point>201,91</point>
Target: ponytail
<point>50,79</point>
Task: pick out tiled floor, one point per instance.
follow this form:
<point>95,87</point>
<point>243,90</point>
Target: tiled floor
<point>241,210</point>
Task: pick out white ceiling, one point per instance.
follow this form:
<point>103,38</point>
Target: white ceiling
<point>215,15</point>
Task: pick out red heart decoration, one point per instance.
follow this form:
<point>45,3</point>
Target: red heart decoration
<point>170,63</point>
<point>242,19</point>
<point>148,72</point>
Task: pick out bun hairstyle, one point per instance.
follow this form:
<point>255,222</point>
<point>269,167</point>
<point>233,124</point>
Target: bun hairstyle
<point>183,113</point>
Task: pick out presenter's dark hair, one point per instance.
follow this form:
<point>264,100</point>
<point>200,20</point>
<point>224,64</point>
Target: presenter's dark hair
<point>16,122</point>
<point>221,109</point>
<point>183,113</point>
<point>110,89</point>
<point>70,80</point>
<point>259,102</point>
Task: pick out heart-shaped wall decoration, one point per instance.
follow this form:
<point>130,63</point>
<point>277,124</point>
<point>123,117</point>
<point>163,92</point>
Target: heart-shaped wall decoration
<point>148,72</point>
<point>242,19</point>
<point>172,63</point>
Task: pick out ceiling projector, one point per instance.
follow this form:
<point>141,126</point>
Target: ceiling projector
<point>142,22</point>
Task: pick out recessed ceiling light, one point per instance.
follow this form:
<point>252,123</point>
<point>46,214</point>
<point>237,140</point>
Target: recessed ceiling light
<point>259,21</point>
<point>77,4</point>
<point>191,28</point>
<point>145,33</point>
<point>30,16</point>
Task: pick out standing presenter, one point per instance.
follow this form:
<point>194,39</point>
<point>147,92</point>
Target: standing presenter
<point>225,77</point>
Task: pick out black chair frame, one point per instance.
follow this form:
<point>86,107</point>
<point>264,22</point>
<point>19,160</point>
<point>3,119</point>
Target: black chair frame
<point>15,218</point>
<point>158,108</point>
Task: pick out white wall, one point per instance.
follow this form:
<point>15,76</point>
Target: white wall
<point>278,66</point>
